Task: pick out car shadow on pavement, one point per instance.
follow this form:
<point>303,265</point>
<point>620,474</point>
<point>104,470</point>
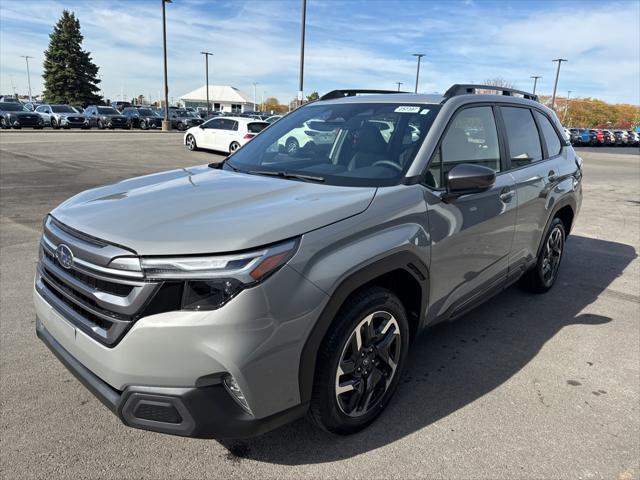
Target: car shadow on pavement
<point>454,364</point>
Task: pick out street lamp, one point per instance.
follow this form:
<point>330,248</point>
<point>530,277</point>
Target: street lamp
<point>399,83</point>
<point>26,58</point>
<point>535,82</point>
<point>206,67</point>
<point>555,85</point>
<point>166,124</point>
<point>302,27</point>
<point>254,96</point>
<point>566,107</point>
<point>419,55</point>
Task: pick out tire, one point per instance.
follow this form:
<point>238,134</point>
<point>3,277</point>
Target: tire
<point>292,146</point>
<point>54,124</point>
<point>234,146</point>
<point>543,275</point>
<point>143,125</point>
<point>358,405</point>
<point>3,124</point>
<point>100,125</point>
<point>191,143</point>
<point>181,126</point>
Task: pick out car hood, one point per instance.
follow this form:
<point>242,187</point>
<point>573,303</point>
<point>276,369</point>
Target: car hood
<point>67,114</point>
<point>109,115</point>
<point>204,210</point>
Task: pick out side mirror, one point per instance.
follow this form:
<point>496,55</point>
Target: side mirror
<point>467,178</point>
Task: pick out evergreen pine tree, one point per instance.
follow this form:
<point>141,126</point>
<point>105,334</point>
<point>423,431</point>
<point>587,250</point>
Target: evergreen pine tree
<point>70,76</point>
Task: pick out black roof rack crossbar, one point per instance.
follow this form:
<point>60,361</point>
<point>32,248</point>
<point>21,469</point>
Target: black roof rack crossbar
<point>462,89</point>
<point>352,93</point>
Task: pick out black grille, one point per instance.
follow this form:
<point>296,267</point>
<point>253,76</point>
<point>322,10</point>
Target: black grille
<point>113,288</point>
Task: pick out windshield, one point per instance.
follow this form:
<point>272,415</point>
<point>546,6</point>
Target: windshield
<point>147,112</point>
<point>185,113</point>
<point>108,111</point>
<point>62,109</point>
<point>12,107</point>
<point>358,144</point>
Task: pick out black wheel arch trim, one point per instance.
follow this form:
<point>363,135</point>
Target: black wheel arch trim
<point>403,260</point>
<point>567,201</point>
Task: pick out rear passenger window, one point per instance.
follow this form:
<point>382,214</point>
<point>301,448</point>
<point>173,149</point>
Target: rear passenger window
<point>522,135</point>
<point>471,138</point>
<point>549,133</point>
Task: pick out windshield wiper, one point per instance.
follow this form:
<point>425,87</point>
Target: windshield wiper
<point>299,176</point>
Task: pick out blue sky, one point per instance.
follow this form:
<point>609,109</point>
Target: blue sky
<point>350,43</point>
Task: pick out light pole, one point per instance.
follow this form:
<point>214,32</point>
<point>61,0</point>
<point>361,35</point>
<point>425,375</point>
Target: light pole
<point>555,85</point>
<point>566,107</point>
<point>254,96</point>
<point>399,83</point>
<point>262,102</point>
<point>302,27</point>
<point>419,55</point>
<point>166,124</point>
<point>206,68</point>
<point>26,58</point>
<point>535,82</point>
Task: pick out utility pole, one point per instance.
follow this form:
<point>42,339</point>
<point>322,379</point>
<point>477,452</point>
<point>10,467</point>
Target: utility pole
<point>254,96</point>
<point>262,102</point>
<point>535,82</point>
<point>206,68</point>
<point>26,58</point>
<point>419,55</point>
<point>555,85</point>
<point>166,124</point>
<point>399,83</point>
<point>302,28</point>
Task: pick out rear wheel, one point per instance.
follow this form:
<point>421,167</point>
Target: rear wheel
<point>54,124</point>
<point>544,274</point>
<point>3,123</point>
<point>191,143</point>
<point>143,124</point>
<point>233,147</point>
<point>101,125</point>
<point>181,126</point>
<point>360,362</point>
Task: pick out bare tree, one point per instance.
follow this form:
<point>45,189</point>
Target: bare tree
<point>499,82</point>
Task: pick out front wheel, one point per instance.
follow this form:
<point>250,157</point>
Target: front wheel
<point>54,124</point>
<point>545,272</point>
<point>191,143</point>
<point>360,362</point>
<point>3,123</point>
<point>100,125</point>
<point>181,126</point>
<point>292,146</point>
<point>143,125</point>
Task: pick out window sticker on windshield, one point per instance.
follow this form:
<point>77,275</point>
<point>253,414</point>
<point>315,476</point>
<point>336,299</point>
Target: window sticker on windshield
<point>407,109</point>
<point>424,111</point>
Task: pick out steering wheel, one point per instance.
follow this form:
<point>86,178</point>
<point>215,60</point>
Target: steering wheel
<point>387,163</point>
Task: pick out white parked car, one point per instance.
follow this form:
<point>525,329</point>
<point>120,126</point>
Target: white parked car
<point>225,134</point>
<point>310,133</point>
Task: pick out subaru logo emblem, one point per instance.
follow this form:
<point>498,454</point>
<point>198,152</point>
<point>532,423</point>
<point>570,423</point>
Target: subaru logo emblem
<point>64,256</point>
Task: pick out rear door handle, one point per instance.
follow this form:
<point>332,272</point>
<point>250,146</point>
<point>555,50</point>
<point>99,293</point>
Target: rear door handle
<point>507,194</point>
<point>552,176</point>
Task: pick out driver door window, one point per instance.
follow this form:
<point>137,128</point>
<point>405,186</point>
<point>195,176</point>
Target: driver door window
<point>472,137</point>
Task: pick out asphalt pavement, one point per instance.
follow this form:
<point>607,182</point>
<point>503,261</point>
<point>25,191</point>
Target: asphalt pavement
<point>525,386</point>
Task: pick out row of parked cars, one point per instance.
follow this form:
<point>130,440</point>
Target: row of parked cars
<point>585,137</point>
<point>119,115</point>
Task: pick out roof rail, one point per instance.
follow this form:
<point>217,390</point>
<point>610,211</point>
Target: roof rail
<point>463,89</point>
<point>352,93</point>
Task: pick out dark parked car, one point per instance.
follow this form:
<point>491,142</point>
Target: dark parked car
<point>120,105</point>
<point>609,138</point>
<point>634,138</point>
<point>621,137</point>
<point>106,117</point>
<point>574,137</point>
<point>142,117</point>
<point>14,115</point>
<point>182,119</point>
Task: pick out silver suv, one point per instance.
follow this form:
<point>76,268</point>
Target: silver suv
<point>225,300</point>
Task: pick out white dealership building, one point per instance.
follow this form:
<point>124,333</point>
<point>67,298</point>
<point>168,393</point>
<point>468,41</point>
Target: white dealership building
<point>224,98</point>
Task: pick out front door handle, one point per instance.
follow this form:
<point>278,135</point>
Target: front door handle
<point>552,176</point>
<point>507,194</point>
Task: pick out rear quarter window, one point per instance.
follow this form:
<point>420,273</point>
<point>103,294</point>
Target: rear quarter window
<point>549,133</point>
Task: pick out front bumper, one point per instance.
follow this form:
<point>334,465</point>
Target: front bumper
<point>202,412</point>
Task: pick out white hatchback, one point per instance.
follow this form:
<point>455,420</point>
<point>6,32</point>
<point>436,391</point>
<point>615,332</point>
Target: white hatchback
<point>225,134</point>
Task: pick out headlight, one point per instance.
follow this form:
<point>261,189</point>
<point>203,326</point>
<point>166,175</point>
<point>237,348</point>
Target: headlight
<point>211,281</point>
